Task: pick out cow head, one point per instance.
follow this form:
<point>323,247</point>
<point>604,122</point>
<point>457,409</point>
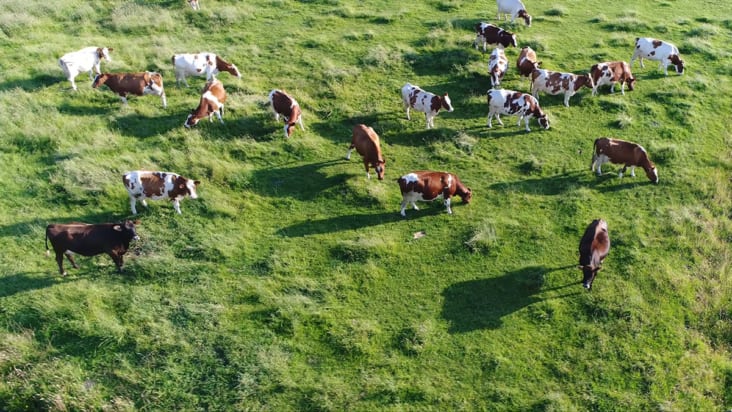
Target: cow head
<point>676,60</point>
<point>191,120</point>
<point>379,167</point>
<point>103,53</point>
<point>99,80</point>
<point>651,172</point>
<point>467,196</point>
<point>631,83</point>
<point>543,121</point>
<point>527,18</point>
<point>234,71</point>
<point>127,228</point>
<point>588,276</point>
<point>446,102</point>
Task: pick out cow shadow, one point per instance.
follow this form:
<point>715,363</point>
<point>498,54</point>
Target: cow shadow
<point>144,126</point>
<point>83,109</point>
<point>346,222</point>
<point>483,303</point>
<point>27,281</point>
<point>302,182</point>
<point>33,83</point>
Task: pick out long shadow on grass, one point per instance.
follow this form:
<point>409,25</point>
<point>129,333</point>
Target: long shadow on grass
<point>23,282</point>
<point>482,303</point>
<point>303,182</point>
<point>352,222</point>
<point>139,125</point>
<point>559,184</point>
<point>30,84</point>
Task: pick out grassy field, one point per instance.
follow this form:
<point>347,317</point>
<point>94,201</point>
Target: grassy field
<point>293,283</point>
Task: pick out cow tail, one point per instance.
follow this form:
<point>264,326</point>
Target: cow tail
<point>48,251</point>
<point>594,153</point>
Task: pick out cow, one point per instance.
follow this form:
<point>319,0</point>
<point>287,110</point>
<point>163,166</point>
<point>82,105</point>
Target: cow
<point>486,33</point>
<point>515,8</point>
<point>611,73</point>
<point>283,104</point>
<point>497,66</point>
<point>413,97</point>
<point>142,185</point>
<point>137,84</point>
<point>427,186</point>
<point>87,59</point>
<point>200,64</point>
<point>213,97</point>
<point>366,142</point>
<point>557,82</point>
<point>593,249</point>
<point>527,61</point>
<point>618,151</point>
<point>661,51</point>
<point>90,240</point>
<point>194,4</point>
<point>514,103</point>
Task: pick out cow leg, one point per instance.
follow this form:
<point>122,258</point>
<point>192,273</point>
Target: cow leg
<point>620,174</point>
<point>299,121</point>
<point>118,261</point>
<point>124,99</point>
<point>622,88</point>
<point>632,171</point>
<point>165,101</point>
<point>404,207</point>
<point>220,114</point>
<point>176,206</point>
<point>73,83</point>
<point>490,117</point>
<point>427,118</point>
<point>566,99</point>
<point>71,259</point>
<point>60,262</point>
<point>526,122</point>
<point>407,109</point>
<point>447,205</point>
<point>366,166</point>
<point>133,203</point>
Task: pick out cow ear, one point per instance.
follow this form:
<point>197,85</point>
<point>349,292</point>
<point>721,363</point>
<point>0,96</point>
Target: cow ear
<point>117,228</point>
<point>196,182</point>
<point>110,49</point>
<point>181,186</point>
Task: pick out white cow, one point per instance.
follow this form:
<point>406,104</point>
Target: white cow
<point>515,8</point>
<point>514,103</point>
<point>415,98</point>
<point>200,64</point>
<point>661,51</point>
<point>87,59</point>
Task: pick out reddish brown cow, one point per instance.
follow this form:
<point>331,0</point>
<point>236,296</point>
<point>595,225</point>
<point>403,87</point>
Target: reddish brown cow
<point>132,83</point>
<point>593,248</point>
<point>282,104</point>
<point>90,240</point>
<point>366,142</point>
<point>611,73</point>
<point>527,61</point>
<point>213,97</point>
<point>427,186</point>
<point>606,149</point>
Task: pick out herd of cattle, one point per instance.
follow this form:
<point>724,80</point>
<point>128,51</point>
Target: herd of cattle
<point>114,238</point>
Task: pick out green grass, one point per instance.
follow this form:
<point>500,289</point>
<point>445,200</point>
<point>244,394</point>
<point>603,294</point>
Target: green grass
<point>292,283</point>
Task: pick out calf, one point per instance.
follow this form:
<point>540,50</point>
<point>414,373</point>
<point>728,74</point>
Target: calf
<point>158,185</point>
<point>486,33</point>
<point>213,97</point>
<point>497,66</point>
<point>282,104</point>
<point>366,142</point>
<point>515,8</point>
<point>415,98</point>
<point>90,240</point>
<point>661,51</point>
<point>199,64</point>
<point>514,103</point>
<point>137,84</point>
<point>611,73</point>
<point>527,62</point>
<point>593,248</point>
<point>556,82</point>
<point>428,186</point>
<point>606,149</point>
<point>87,59</point>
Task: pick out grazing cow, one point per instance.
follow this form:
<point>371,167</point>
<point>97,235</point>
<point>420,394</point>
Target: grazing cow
<point>158,185</point>
<point>90,240</point>
<point>213,97</point>
<point>515,8</point>
<point>611,73</point>
<point>87,59</point>
<point>486,33</point>
<point>661,51</point>
<point>366,142</point>
<point>527,62</point>
<point>593,248</point>
<point>556,82</point>
<point>415,98</point>
<point>133,83</point>
<point>428,186</point>
<point>606,149</point>
<point>194,4</point>
<point>199,64</point>
<point>283,104</point>
<point>497,66</point>
<point>514,103</point>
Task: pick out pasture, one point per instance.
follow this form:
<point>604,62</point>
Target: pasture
<point>292,282</point>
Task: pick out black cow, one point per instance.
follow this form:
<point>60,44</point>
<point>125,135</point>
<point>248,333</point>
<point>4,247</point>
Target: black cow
<point>90,240</point>
<point>593,248</point>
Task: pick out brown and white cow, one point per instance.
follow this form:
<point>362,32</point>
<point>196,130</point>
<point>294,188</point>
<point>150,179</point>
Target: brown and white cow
<point>611,73</point>
<point>87,59</point>
<point>515,103</point>
<point>497,66</point>
<point>90,240</point>
<point>285,105</point>
<point>413,97</point>
<point>427,186</point>
<point>593,249</point>
<point>618,151</point>
<point>557,82</point>
<point>366,142</point>
<point>143,185</point>
<point>213,97</point>
<point>663,52</point>
<point>527,61</point>
<point>201,64</point>
<point>137,84</point>
<point>515,8</point>
<point>486,33</point>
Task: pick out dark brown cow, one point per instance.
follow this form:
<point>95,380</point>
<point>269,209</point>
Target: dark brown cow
<point>486,33</point>
<point>611,73</point>
<point>593,248</point>
<point>132,83</point>
<point>427,186</point>
<point>282,104</point>
<point>611,150</point>
<point>527,61</point>
<point>90,240</point>
<point>213,97</point>
<point>366,142</point>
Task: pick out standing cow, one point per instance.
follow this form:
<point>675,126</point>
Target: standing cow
<point>137,84</point>
<point>486,33</point>
<point>661,51</point>
<point>557,82</point>
<point>283,104</point>
<point>87,59</point>
<point>142,185</point>
<point>514,103</point>
<point>497,66</point>
<point>515,8</point>
<point>366,142</point>
<point>201,64</point>
<point>593,248</point>
<point>427,186</point>
<point>611,73</point>
<point>413,97</point>
<point>606,149</point>
<point>90,240</point>
<point>213,97</point>
<point>527,62</point>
